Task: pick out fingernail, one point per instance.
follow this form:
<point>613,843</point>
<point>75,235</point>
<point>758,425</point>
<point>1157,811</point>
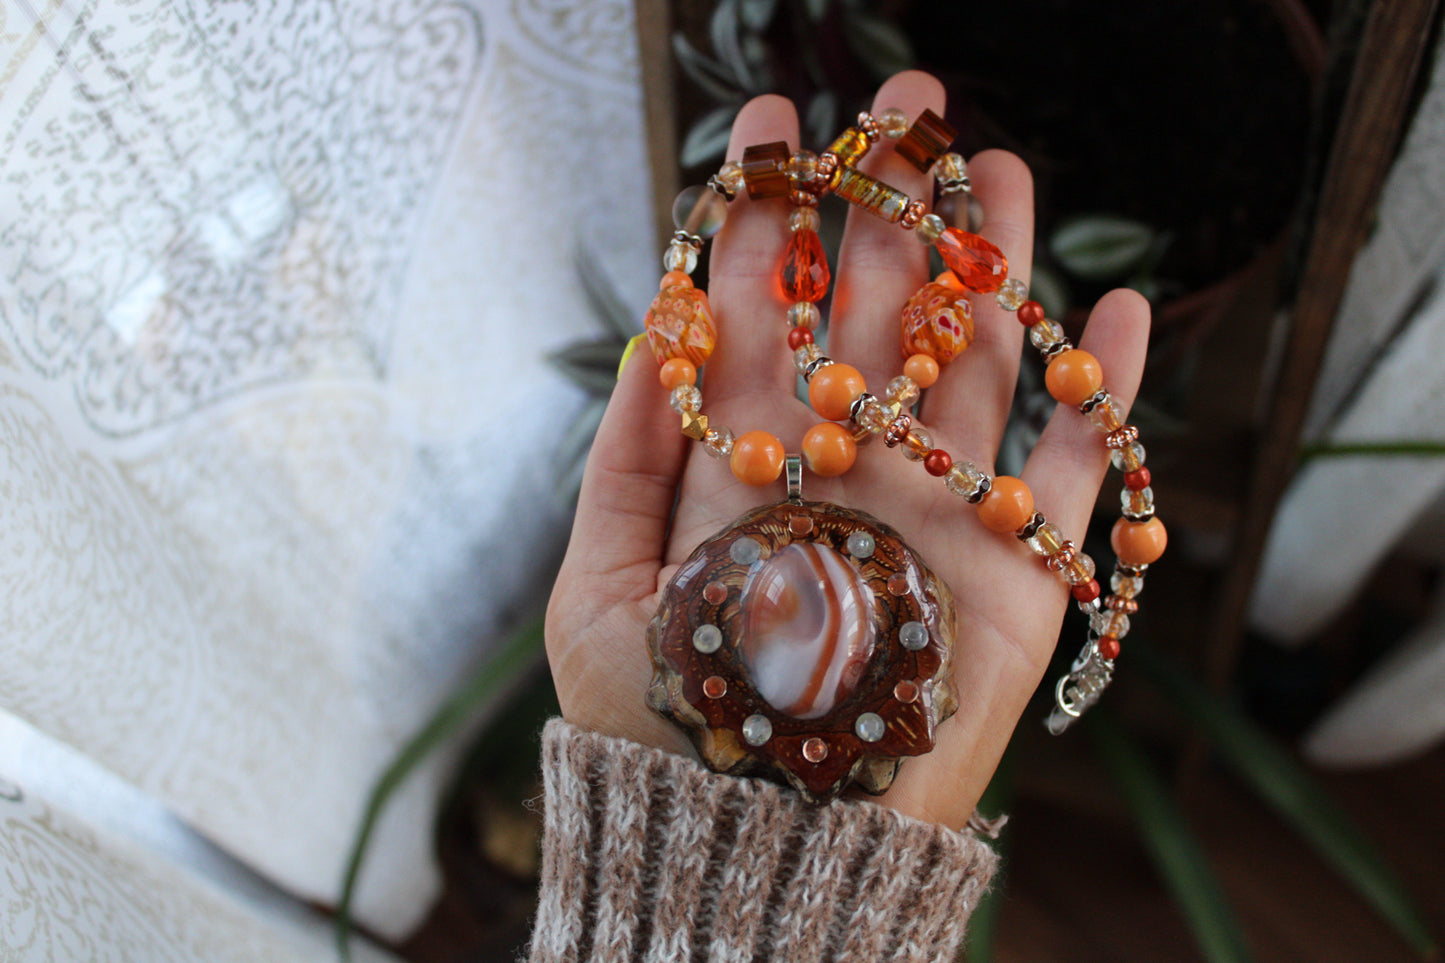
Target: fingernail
<point>627,352</point>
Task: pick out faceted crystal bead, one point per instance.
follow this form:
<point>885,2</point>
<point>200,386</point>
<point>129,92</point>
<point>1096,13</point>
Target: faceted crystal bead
<point>804,219</point>
<point>978,264</point>
<point>1128,586</point>
<point>1012,294</point>
<point>1128,459</point>
<point>1106,415</point>
<point>699,210</point>
<point>680,256</point>
<point>925,141</point>
<point>805,356</point>
<point>1045,334</point>
<point>903,390</point>
<point>1140,503</point>
<point>893,123</point>
<point>968,480</point>
<point>679,325</point>
<point>805,268</point>
<point>804,314</point>
<point>718,442</point>
<point>1047,540</point>
<point>686,398</point>
<point>937,321</point>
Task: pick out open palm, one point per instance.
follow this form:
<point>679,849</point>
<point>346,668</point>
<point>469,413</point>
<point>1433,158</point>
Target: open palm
<point>650,496</point>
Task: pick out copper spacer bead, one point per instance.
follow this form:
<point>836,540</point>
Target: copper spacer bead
<point>827,165</point>
<point>937,462</point>
<point>898,431</point>
<point>868,124</point>
<point>1063,558</point>
<point>912,214</point>
<point>1122,437</point>
<point>1117,603</point>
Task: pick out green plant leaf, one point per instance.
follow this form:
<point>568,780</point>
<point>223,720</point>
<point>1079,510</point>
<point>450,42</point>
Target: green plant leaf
<point>1101,247</point>
<point>816,9</point>
<point>1382,449</point>
<point>457,711</point>
<point>757,14</point>
<point>603,299</point>
<point>1048,287</point>
<point>822,110</point>
<point>1297,798</point>
<point>592,365</point>
<point>881,44</point>
<point>1176,852</point>
<point>707,73</point>
<point>708,138</point>
<point>724,29</point>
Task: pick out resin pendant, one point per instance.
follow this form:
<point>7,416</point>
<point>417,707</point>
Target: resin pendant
<point>806,643</point>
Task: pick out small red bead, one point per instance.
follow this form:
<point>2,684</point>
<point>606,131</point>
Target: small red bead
<point>1030,313</point>
<point>799,337</point>
<point>1109,647</point>
<point>1086,591</point>
<point>937,462</point>
<point>1136,480</point>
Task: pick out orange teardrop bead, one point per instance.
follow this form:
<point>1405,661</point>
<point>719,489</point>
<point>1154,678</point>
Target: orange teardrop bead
<point>978,264</point>
<point>805,268</point>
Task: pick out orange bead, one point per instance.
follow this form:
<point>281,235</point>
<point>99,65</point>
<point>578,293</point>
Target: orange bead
<point>949,280</point>
<point>833,388</point>
<point>976,262</point>
<point>673,278</point>
<point>677,371</point>
<point>805,268</point>
<point>1138,543</point>
<point>757,458</point>
<point>922,369</point>
<point>1008,505</point>
<point>829,449</point>
<point>1074,377</point>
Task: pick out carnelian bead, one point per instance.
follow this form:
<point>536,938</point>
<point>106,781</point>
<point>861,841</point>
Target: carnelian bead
<point>798,337</point>
<point>829,449</point>
<point>677,371</point>
<point>1008,505</point>
<point>937,462</point>
<point>833,388</point>
<point>922,369</point>
<point>805,268</point>
<point>1086,591</point>
<point>1136,480</point>
<point>1109,647</point>
<point>757,458</point>
<point>1030,313</point>
<point>1138,543</point>
<point>674,278</point>
<point>1074,377</point>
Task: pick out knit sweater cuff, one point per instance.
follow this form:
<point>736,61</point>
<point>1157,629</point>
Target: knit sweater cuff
<point>648,856</point>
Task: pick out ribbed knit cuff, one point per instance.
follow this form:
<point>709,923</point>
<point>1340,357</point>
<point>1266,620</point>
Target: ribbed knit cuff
<point>648,856</point>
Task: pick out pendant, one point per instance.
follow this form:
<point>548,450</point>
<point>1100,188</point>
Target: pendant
<point>808,644</point>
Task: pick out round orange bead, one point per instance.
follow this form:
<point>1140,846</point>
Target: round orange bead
<point>1138,543</point>
<point>829,449</point>
<point>1074,377</point>
<point>677,371</point>
<point>833,388</point>
<point>1008,505</point>
<point>922,369</point>
<point>757,458</point>
<point>674,278</point>
<point>949,280</point>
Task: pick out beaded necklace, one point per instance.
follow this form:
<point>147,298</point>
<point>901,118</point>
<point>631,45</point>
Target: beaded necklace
<point>807,641</point>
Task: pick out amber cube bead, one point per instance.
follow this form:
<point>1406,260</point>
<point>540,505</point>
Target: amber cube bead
<point>926,141</point>
<point>765,170</point>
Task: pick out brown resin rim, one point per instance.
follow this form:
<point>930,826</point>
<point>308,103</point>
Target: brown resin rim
<point>711,696</point>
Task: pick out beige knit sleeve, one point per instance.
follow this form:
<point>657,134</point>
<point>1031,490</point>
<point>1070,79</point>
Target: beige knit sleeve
<point>647,856</point>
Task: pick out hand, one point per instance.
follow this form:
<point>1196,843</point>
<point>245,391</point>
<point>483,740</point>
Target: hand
<point>628,538</point>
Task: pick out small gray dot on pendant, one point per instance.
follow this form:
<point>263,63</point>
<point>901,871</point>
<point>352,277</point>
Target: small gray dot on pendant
<point>870,727</point>
<point>861,545</point>
<point>913,635</point>
<point>757,730</point>
<point>707,638</point>
<point>745,550</point>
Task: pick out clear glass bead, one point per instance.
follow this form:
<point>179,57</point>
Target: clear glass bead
<point>1137,503</point>
<point>870,727</point>
<point>699,210</point>
<point>893,122</point>
<point>1080,570</point>
<point>1127,586</point>
<point>861,545</point>
<point>913,635</point>
<point>804,314</point>
<point>903,390</point>
<point>1012,294</point>
<point>1108,622</point>
<point>1045,334</point>
<point>875,416</point>
<point>966,479</point>
<point>1106,415</point>
<point>805,356</point>
<point>930,228</point>
<point>686,398</point>
<point>950,167</point>
<point>757,730</point>
<point>802,165</point>
<point>718,442</point>
<point>707,638</point>
<point>1047,540</point>
<point>680,257</point>
<point>731,175</point>
<point>1128,459</point>
<point>918,443</point>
